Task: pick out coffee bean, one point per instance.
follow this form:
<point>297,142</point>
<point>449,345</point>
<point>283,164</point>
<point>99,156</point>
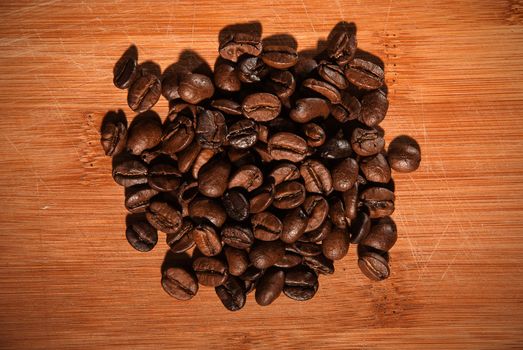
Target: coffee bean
<point>336,148</point>
<point>179,283</point>
<point>350,202</point>
<point>240,157</point>
<point>205,155</point>
<point>144,134</point>
<point>282,84</point>
<point>187,157</point>
<point>213,177</point>
<point>374,106</point>
<point>164,217</point>
<point>265,254</point>
<point>301,283</point>
<point>348,109</point>
<point>237,236</point>
<point>206,209</point>
<point>263,152</point>
<point>345,174</point>
<point>366,142</point>
<point>315,134</point>
<point>333,74</point>
<point>364,74</point>
<point>173,238</point>
<point>248,177</point>
<point>238,44</point>
<point>373,265</point>
<point>113,137</point>
<point>210,272</point>
<point>270,287</point>
<point>266,226</point>
<point>283,172</point>
<point>288,195</point>
<point>263,133</point>
<point>186,193</point>
<point>262,198</point>
<point>195,88</point>
<point>289,260</point>
<point>261,106</point>
<point>294,225</point>
<point>207,240</point>
<point>177,135</point>
<point>242,134</point>
<point>163,175</point>
<point>304,67</point>
<point>125,72</point>
<point>226,77</point>
<point>320,264</point>
<point>375,168</point>
<point>336,245</point>
<point>236,205</point>
<point>279,56</point>
<point>232,294</point>
<point>318,234</point>
<point>316,177</point>
<point>382,236</point>
<point>211,129</point>
<point>179,107</point>
<point>252,70</point>
<point>137,198</point>
<point>170,84</point>
<point>130,171</point>
<point>404,154</point>
<point>360,228</point>
<point>337,212</point>
<point>144,93</point>
<point>287,146</point>
<point>305,248</point>
<point>140,234</point>
<point>330,92</point>
<point>317,210</point>
<point>342,47</point>
<point>183,244</point>
<point>307,109</point>
<point>237,259</point>
<point>379,201</point>
<point>227,106</point>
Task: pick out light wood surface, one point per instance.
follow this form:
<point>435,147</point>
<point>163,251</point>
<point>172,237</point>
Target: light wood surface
<point>69,279</point>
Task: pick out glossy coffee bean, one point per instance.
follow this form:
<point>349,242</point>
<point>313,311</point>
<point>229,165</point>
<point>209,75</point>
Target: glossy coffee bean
<point>336,245</point>
<point>226,77</point>
<point>261,198</point>
<point>307,109</point>
<point>185,195</point>
<point>237,260</point>
<point>203,157</point>
<point>194,88</point>
<point>143,135</point>
<point>294,225</point>
<point>360,227</point>
<point>317,210</point>
<point>374,106</point>
<point>170,84</point>
<point>270,287</point>
<point>345,174</point>
<point>207,240</point>
<point>301,283</point>
<point>164,217</point>
<point>206,209</point>
<point>349,108</point>
<point>338,147</point>
<point>137,198</point>
<point>318,234</point>
<point>283,172</point>
<point>242,134</point>
<point>113,137</point>
<point>179,283</point>
<point>240,157</point>
<point>320,264</point>
<point>173,238</point>
<point>304,67</point>
<point>329,91</point>
<point>364,74</point>
<point>261,106</point>
<point>373,265</point>
<point>342,47</point>
<point>140,234</point>
<point>315,135</point>
<point>289,260</point>
<point>316,177</point>
<point>235,45</point>
<point>350,202</point>
<point>287,146</point>
<point>382,236</point>
<point>379,201</point>
<point>163,175</point>
<point>404,154</point>
<point>266,226</point>
<point>232,294</point>
<point>305,248</point>
<point>333,74</point>
<point>177,135</point>
<point>366,142</point>
<point>375,168</point>
<point>237,236</point>
<point>130,171</point>
<point>213,177</point>
<point>236,205</point>
<point>252,70</point>
<point>288,195</point>
<point>125,72</point>
<point>248,177</point>
<point>183,244</point>
<point>337,212</point>
<point>279,56</point>
<point>144,93</point>
<point>265,254</point>
<point>210,271</point>
<point>211,129</point>
<point>226,106</point>
<point>281,83</point>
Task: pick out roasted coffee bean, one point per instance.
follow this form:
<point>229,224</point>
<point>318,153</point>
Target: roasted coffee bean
<point>232,294</point>
<point>304,67</point>
<point>179,283</point>
<point>349,108</point>
<point>164,175</point>
<point>375,168</point>
<point>283,172</point>
<point>336,245</point>
<point>327,90</point>
<point>379,201</point>
<point>373,264</point>
<point>305,248</point>
<point>143,135</point>
<point>316,177</point>
<point>164,217</point>
<point>289,260</point>
<point>337,212</point>
<point>151,154</point>
<point>226,77</point>
<point>301,283</point>
<point>130,171</point>
<point>342,47</point>
<point>364,74</point>
<point>314,134</point>
<point>125,72</point>
<point>261,199</point>
<point>236,205</point>
<point>227,106</point>
<point>170,84</point>
<point>374,106</point>
<point>288,195</point>
<point>113,137</point>
<point>332,73</point>
<point>252,70</point>
<point>208,209</point>
<point>137,198</point>
<point>281,83</point>
<point>404,154</point>
<point>318,234</point>
<point>205,155</point>
<point>144,93</point>
<point>320,264</point>
<point>237,236</point>
<point>345,174</point>
<point>280,124</point>
<point>213,177</point>
<point>287,146</point>
<point>294,225</point>
<point>185,194</point>
<point>187,157</point>
<point>242,134</point>
<point>307,109</point>
<point>207,240</point>
<point>317,210</point>
<point>177,135</point>
<point>195,88</point>
<point>265,254</point>
<point>350,202</point>
<point>238,44</point>
<point>210,272</point>
<point>266,226</point>
<point>263,133</point>
<point>279,56</point>
<point>366,142</point>
<point>270,287</point>
<point>237,260</point>
<point>180,107</point>
<point>140,234</point>
<point>336,148</point>
<point>240,157</point>
<point>261,106</point>
<point>248,177</point>
<point>211,129</point>
<point>183,244</point>
<point>262,150</point>
<point>382,236</point>
<point>252,274</point>
<point>360,227</point>
<point>185,228</point>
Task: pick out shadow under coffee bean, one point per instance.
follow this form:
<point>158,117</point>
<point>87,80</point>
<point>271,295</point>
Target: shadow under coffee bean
<point>265,170</point>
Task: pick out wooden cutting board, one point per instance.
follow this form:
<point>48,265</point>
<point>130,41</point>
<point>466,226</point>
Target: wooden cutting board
<point>69,279</point>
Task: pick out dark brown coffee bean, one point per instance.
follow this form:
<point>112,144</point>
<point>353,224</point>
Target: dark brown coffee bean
<point>288,195</point>
<point>404,154</point>
<point>342,47</point>
<point>316,177</point>
<point>252,274</point>
<point>185,194</point>
<point>373,265</point>
<point>287,146</point>
<point>317,210</point>
<point>366,142</point>
<point>179,283</point>
<point>301,283</point>
<point>130,171</point>
<point>232,294</point>
<point>379,201</point>
<point>144,93</point>
<point>211,129</point>
<point>213,177</point>
<point>294,225</point>
<point>337,212</point>
<point>345,174</point>
<point>304,67</point>
<point>283,172</point>
<point>270,287</point>
<point>307,109</point>
<point>261,106</point>
<point>350,202</point>
<point>240,157</point>
<point>265,254</point>
<point>236,205</point>
<point>279,56</point>
<point>125,72</point>
<point>364,74</point>
<point>207,209</point>
<point>137,198</point>
<point>238,44</point>
<point>248,177</point>
<point>263,133</point>
<point>242,134</point>
<point>163,175</point>
<point>140,234</point>
<point>349,108</point>
<point>173,238</point>
<point>164,217</point>
<point>143,135</point>
<point>179,107</point>
<point>320,264</point>
<point>226,77</point>
<point>113,137</point>
<point>333,74</point>
<point>374,106</point>
<point>183,244</point>
<point>327,90</point>
<point>318,234</point>
<point>229,107</point>
<point>314,134</point>
<point>266,226</point>
<point>170,84</point>
<point>195,88</point>
<point>207,240</point>
<point>262,198</point>
<point>289,260</point>
<point>281,83</point>
<point>237,236</point>
<point>237,259</point>
<point>151,154</point>
<point>305,248</point>
<point>375,168</point>
<point>360,227</point>
<point>383,235</point>
<point>177,135</point>
<point>205,155</point>
<point>187,157</point>
<point>336,245</point>
<point>210,272</point>
<point>252,70</point>
<point>336,148</point>
<point>262,150</point>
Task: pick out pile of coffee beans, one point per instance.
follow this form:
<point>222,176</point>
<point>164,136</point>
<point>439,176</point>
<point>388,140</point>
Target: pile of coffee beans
<point>271,167</point>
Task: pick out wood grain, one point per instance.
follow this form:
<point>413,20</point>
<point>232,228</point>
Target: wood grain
<point>68,278</point>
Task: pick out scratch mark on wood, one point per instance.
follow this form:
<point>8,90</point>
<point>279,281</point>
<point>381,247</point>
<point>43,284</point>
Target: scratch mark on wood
<point>308,16</point>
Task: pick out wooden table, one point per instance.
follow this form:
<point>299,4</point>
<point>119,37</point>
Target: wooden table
<point>69,279</point>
